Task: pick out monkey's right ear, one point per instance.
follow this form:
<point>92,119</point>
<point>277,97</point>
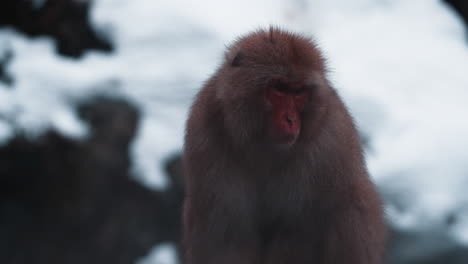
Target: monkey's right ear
<point>237,60</point>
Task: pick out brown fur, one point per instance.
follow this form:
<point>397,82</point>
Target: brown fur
<point>250,202</point>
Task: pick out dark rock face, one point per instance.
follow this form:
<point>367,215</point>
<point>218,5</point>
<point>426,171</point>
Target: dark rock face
<point>461,6</point>
<point>434,244</point>
<point>67,21</point>
<point>64,201</point>
<point>5,58</point>
<point>425,247</point>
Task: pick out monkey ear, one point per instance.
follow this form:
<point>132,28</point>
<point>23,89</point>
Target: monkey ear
<point>237,60</point>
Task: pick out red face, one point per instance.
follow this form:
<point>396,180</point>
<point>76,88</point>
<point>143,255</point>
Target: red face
<point>287,101</point>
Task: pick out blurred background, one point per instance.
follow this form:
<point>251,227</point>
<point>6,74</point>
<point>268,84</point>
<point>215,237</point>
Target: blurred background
<point>94,96</point>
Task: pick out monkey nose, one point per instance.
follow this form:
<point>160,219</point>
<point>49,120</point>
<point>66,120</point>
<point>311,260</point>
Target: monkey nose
<point>290,120</point>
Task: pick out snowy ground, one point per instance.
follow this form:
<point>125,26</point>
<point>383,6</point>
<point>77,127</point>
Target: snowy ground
<point>400,65</point>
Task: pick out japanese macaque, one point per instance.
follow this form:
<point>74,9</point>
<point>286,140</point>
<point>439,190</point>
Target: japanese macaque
<point>273,164</point>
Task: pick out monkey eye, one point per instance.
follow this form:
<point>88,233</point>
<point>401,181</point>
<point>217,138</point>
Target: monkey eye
<point>299,91</point>
<point>284,88</point>
<point>280,87</point>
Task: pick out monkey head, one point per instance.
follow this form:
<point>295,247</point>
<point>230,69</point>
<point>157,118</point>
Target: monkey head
<point>270,86</point>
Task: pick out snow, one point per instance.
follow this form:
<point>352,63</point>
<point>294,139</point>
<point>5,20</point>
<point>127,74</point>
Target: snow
<point>6,132</point>
<point>400,65</point>
<point>162,254</point>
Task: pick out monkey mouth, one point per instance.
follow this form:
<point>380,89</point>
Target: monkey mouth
<point>285,138</point>
<point>289,137</point>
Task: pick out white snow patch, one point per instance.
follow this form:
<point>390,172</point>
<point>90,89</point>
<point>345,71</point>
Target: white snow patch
<point>66,122</point>
<point>162,254</point>
<point>6,132</point>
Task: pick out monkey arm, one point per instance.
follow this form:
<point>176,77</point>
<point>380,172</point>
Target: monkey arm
<point>356,236</point>
<point>219,217</point>
<point>219,232</point>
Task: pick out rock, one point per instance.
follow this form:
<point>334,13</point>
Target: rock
<point>461,7</point>
<point>432,246</point>
<point>5,59</point>
<point>67,21</point>
<point>66,201</point>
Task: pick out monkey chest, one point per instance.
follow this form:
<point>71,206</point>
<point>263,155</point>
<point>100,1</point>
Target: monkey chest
<point>280,204</point>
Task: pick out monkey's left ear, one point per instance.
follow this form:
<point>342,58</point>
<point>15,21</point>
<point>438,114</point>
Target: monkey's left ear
<point>237,60</point>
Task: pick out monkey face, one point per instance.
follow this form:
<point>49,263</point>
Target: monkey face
<point>270,87</point>
<point>285,103</point>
